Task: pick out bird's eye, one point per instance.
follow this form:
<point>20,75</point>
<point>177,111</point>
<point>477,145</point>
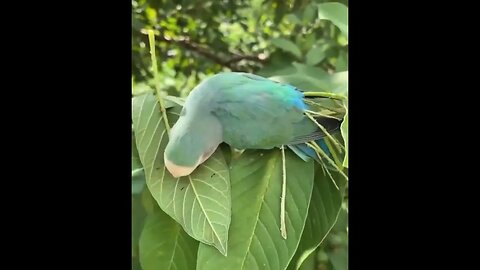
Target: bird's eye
<point>183,112</point>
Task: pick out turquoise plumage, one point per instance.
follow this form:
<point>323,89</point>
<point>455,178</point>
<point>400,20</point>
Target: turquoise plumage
<point>245,111</point>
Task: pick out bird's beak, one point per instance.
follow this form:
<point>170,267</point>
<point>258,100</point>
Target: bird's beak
<point>178,171</point>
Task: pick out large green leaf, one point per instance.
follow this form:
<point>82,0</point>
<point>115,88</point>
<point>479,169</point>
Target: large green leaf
<point>336,13</point>
<point>165,245</point>
<point>255,241</point>
<point>288,46</point>
<point>201,201</point>
<point>322,214</point>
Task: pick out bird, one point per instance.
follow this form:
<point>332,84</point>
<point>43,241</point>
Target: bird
<point>245,111</point>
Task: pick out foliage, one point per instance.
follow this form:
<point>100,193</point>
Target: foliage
<point>226,214</point>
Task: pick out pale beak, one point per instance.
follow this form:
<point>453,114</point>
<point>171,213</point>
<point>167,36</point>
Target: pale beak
<point>178,171</point>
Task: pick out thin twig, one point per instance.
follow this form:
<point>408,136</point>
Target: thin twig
<point>283,228</point>
<point>337,144</point>
<point>319,150</point>
<point>325,95</point>
<point>334,155</point>
<point>185,42</point>
<point>151,39</point>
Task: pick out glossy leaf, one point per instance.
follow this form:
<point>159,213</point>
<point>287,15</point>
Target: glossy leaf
<point>200,202</point>
<point>255,240</point>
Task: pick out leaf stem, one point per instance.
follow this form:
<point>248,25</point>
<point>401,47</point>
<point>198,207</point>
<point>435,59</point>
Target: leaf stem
<point>335,142</point>
<point>283,228</point>
<point>151,39</point>
<point>319,150</point>
<point>334,155</point>
<point>324,94</point>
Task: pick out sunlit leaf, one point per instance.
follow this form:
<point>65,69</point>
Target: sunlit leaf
<point>200,202</point>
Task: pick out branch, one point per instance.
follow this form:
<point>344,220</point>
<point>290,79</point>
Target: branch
<point>257,58</point>
<point>195,47</point>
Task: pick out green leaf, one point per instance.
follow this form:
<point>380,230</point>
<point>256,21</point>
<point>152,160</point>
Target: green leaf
<point>138,180</point>
<point>315,55</point>
<point>338,83</point>
<point>288,46</point>
<point>306,78</point>
<point>201,201</point>
<point>175,100</point>
<point>293,18</point>
<point>165,245</point>
<point>135,158</point>
<point>342,62</point>
<point>138,218</point>
<point>344,130</point>
<point>255,240</point>
<point>309,263</point>
<point>138,175</point>
<point>336,13</point>
<point>338,243</point>
<point>322,214</point>
<point>339,259</point>
<point>140,89</point>
<point>309,13</point>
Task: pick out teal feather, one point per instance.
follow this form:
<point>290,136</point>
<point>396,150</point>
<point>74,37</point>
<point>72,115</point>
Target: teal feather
<point>253,113</point>
<point>259,113</point>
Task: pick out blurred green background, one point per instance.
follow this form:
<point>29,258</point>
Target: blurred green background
<point>272,38</point>
<point>199,38</point>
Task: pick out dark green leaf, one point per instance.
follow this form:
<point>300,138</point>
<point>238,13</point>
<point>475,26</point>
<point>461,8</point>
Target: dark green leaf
<point>322,214</point>
<point>255,241</point>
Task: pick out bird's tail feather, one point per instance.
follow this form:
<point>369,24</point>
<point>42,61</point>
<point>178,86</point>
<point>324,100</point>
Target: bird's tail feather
<point>306,153</point>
